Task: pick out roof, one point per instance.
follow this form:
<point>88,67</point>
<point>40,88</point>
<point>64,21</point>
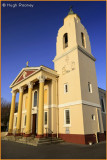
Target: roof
<point>30,71</point>
<point>102,90</point>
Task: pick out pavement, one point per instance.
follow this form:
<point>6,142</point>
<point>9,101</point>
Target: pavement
<point>13,150</point>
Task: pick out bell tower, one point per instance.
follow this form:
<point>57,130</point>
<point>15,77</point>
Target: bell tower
<point>77,84</point>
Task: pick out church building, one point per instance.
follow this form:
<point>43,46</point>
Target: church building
<point>63,102</point>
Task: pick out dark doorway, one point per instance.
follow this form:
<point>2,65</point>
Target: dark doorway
<point>34,124</point>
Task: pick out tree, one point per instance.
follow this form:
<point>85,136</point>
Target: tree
<point>5,110</point>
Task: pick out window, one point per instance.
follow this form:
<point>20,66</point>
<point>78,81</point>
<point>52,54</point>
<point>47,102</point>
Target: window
<point>25,121</point>
<point>16,122</point>
<point>65,88</point>
<point>35,99</point>
<point>89,87</point>
<point>102,104</point>
<point>83,39</point>
<point>93,117</point>
<point>45,118</point>
<point>65,40</point>
<point>45,97</point>
<point>67,116</point>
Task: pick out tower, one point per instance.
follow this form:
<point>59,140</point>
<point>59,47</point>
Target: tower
<point>79,107</point>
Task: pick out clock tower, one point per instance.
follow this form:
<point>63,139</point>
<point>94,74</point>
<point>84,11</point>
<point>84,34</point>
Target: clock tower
<point>77,84</point>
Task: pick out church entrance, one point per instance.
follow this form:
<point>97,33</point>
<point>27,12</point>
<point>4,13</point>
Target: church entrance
<point>34,124</point>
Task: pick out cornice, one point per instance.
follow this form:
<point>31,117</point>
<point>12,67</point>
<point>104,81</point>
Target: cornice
<point>80,49</point>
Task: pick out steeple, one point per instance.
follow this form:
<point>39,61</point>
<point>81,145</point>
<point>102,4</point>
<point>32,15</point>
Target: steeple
<point>70,11</point>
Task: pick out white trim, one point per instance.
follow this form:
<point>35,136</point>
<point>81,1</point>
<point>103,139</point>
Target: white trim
<point>50,106</point>
<point>15,122</point>
<point>30,85</point>
<point>21,89</point>
<point>86,53</point>
<point>71,50</point>
<point>24,120</point>
<point>65,84</point>
<point>79,48</point>
<point>36,90</point>
<point>79,102</point>
<point>36,70</point>
<point>54,72</point>
<point>24,69</point>
<point>66,125</point>
<point>89,87</point>
<point>93,117</point>
<point>34,109</point>
<point>24,111</point>
<point>91,104</point>
<point>13,93</point>
<point>42,79</point>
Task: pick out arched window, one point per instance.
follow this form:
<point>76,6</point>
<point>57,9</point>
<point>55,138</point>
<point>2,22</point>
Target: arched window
<point>83,39</point>
<point>65,40</point>
<point>35,99</point>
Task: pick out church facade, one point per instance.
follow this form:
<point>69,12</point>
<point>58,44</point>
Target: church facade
<point>63,102</point>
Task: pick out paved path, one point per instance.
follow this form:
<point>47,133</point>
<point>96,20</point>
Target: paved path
<point>13,150</point>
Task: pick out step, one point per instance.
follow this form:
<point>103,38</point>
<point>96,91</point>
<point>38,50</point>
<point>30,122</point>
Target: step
<point>49,141</point>
<point>34,141</point>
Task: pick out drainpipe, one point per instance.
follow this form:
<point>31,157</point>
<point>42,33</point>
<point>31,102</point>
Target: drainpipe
<point>57,107</point>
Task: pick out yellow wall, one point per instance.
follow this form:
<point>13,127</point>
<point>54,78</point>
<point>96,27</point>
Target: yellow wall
<point>76,120</point>
<point>91,126</point>
<point>88,74</point>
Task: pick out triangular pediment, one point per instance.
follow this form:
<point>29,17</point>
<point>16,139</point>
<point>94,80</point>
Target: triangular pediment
<point>24,74</point>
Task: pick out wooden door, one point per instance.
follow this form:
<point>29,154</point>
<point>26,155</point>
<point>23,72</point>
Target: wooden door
<point>34,124</point>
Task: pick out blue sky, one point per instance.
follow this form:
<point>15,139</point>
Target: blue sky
<point>29,34</point>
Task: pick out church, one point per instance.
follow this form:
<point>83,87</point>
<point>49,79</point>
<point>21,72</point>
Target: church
<point>63,102</point>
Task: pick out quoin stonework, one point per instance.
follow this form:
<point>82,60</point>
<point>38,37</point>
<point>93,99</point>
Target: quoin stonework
<point>65,102</point>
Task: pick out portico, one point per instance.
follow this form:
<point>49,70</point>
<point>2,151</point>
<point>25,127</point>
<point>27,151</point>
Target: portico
<point>40,77</point>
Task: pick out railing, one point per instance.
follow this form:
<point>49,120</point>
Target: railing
<point>48,131</point>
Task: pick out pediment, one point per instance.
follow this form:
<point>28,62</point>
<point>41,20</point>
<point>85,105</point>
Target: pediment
<point>24,74</point>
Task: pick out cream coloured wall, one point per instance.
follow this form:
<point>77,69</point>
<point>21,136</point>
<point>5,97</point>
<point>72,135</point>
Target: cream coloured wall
<point>80,28</point>
<point>51,119</point>
<point>66,28</point>
<point>76,120</point>
<point>24,104</point>
<point>23,126</point>
<point>88,74</point>
<point>70,76</point>
<point>14,123</point>
<point>76,68</point>
<point>92,126</point>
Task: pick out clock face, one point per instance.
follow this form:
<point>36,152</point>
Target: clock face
<point>69,66</point>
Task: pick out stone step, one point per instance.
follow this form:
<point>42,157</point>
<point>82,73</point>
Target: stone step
<point>33,141</point>
<point>49,141</point>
